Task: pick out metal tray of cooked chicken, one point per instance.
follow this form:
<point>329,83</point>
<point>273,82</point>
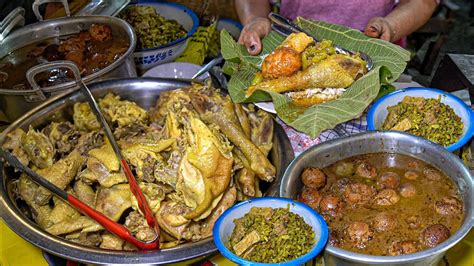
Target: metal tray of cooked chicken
<point>191,158</point>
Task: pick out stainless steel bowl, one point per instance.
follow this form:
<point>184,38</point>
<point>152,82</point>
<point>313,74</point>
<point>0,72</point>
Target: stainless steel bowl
<point>390,142</point>
<point>145,92</point>
<point>15,103</point>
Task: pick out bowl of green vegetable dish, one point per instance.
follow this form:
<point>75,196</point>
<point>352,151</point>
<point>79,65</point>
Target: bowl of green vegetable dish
<point>429,113</point>
<point>270,231</point>
<point>162,30</point>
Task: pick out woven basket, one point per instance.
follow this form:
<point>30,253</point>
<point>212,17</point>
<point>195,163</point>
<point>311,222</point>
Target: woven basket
<point>206,8</point>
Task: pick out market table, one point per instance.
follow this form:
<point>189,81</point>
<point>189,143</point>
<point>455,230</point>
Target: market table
<point>16,251</point>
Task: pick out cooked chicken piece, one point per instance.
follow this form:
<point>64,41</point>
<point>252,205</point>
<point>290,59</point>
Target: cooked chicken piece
<point>39,149</point>
<point>89,141</point>
<point>297,41</point>
<point>27,190</point>
<point>84,193</point>
<point>226,202</point>
<point>143,157</point>
<point>97,172</point>
<point>138,226</point>
<point>113,201</point>
<point>112,242</point>
<point>243,119</point>
<point>171,219</point>
<point>328,73</point>
<point>64,136</point>
<point>211,112</point>
<point>70,225</point>
<point>84,118</point>
<point>246,181</point>
<point>107,157</point>
<point>282,62</point>
<point>121,111</point>
<point>13,143</point>
<point>62,211</point>
<point>61,173</point>
<point>153,193</point>
<point>262,130</point>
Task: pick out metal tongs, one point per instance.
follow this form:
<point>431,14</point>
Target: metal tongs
<point>284,26</point>
<point>113,227</point>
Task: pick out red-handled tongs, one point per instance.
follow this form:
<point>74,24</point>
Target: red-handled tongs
<point>113,227</point>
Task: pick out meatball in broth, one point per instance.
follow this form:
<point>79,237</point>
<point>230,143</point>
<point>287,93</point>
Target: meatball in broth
<point>384,204</point>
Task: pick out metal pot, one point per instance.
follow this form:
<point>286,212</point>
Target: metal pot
<point>390,142</point>
<point>143,91</point>
<point>15,103</point>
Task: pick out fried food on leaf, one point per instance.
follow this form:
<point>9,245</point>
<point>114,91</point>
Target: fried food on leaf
<point>282,62</point>
<point>327,73</point>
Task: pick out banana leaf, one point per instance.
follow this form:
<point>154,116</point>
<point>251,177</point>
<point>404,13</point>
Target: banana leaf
<point>389,62</point>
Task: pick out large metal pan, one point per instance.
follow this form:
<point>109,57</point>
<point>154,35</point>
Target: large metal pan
<point>390,142</point>
<point>145,92</point>
<point>15,103</point>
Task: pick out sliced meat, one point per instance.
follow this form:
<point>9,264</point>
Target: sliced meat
<point>313,178</point>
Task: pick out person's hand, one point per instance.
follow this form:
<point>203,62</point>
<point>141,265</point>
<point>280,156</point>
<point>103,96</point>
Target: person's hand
<point>379,27</point>
<point>251,34</point>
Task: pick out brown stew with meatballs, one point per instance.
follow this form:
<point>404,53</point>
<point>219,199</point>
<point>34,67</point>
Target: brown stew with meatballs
<point>384,204</point>
<point>91,50</point>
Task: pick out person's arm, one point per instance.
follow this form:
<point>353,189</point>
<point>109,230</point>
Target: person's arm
<point>405,18</point>
<point>253,16</point>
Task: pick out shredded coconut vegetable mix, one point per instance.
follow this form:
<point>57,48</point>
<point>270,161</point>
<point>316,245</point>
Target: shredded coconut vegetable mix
<point>271,236</point>
<point>152,29</point>
<point>427,118</point>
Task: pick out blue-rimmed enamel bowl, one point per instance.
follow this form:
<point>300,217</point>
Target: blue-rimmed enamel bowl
<point>225,225</point>
<point>150,57</point>
<point>378,111</point>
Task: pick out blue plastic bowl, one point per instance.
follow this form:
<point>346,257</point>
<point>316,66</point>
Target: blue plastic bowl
<point>378,111</point>
<point>150,57</point>
<point>225,225</point>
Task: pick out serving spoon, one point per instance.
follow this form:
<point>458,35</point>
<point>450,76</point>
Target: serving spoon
<point>281,24</point>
